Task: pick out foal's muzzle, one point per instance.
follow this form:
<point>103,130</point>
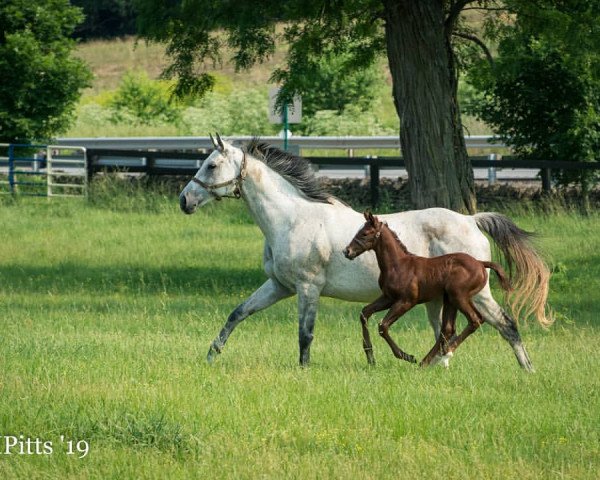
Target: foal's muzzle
<point>349,254</point>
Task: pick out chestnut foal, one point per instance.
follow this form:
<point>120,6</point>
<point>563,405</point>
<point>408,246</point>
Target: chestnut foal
<point>407,280</point>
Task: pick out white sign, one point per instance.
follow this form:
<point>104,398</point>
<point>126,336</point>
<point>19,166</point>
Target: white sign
<point>294,110</point>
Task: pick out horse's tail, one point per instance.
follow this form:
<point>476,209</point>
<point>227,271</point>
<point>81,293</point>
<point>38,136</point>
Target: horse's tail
<point>504,282</point>
<point>528,272</point>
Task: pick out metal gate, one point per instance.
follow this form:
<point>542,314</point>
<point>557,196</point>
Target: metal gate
<point>66,171</point>
<point>43,170</point>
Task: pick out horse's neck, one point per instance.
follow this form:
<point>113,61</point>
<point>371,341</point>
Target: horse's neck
<point>272,200</point>
<point>388,250</point>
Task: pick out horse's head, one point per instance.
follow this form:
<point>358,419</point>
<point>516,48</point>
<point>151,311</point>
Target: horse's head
<point>220,175</point>
<point>366,238</point>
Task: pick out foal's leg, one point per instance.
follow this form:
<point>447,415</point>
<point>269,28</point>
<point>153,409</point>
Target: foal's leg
<point>448,330</point>
<point>501,321</point>
<point>398,309</point>
<point>269,293</point>
<point>381,303</point>
<point>474,318</point>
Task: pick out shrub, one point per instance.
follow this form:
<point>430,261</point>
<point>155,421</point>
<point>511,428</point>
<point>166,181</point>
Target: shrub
<point>144,101</point>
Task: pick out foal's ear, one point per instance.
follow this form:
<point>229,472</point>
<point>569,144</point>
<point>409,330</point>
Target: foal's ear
<point>369,216</point>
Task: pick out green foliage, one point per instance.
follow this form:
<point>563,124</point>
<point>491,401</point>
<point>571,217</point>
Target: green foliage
<point>331,87</point>
<point>41,82</point>
<point>352,121</point>
<point>542,94</point>
<point>142,100</point>
<point>323,43</point>
<point>242,112</point>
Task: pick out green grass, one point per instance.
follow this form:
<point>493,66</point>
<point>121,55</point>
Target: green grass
<point>107,310</point>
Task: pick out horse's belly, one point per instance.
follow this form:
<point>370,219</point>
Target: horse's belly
<point>354,281</point>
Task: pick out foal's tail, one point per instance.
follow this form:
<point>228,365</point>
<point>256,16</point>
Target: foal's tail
<point>528,271</point>
<point>504,282</point>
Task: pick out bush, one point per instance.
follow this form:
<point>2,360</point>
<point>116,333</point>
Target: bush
<point>144,101</point>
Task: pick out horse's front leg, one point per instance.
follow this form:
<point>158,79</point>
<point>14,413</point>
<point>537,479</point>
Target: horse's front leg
<point>398,309</point>
<point>269,293</point>
<point>378,305</point>
<point>308,304</point>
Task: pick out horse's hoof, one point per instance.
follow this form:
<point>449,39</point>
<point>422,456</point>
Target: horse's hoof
<point>212,354</point>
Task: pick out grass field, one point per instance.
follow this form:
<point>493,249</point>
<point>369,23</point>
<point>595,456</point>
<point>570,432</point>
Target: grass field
<point>107,310</point>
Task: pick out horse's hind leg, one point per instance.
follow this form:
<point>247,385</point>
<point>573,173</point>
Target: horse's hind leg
<point>269,293</point>
<point>501,321</point>
<point>435,313</point>
<point>381,303</point>
<point>448,329</point>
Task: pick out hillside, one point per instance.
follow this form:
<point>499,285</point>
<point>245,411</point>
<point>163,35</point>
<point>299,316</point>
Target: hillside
<point>242,94</point>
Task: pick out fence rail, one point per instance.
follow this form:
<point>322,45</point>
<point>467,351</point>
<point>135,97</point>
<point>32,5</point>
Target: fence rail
<point>172,163</point>
<point>184,155</point>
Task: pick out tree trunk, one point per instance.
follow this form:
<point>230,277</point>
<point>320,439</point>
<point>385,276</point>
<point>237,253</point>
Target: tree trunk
<point>425,95</point>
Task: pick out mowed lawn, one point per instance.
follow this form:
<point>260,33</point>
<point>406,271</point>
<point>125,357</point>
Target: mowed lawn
<point>107,312</point>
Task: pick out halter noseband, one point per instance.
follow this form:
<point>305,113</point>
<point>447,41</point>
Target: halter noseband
<point>237,181</point>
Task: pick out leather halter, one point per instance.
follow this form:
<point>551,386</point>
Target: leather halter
<point>237,181</point>
<point>362,244</point>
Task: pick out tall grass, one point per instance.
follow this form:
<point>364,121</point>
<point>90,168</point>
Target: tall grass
<point>107,309</point>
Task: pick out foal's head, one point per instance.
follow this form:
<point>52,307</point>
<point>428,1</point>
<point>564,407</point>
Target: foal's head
<point>366,238</point>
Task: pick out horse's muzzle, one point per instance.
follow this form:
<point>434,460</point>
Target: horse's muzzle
<point>349,254</point>
<point>183,204</point>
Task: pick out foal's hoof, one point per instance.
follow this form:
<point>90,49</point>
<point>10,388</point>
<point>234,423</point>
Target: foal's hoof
<point>445,360</point>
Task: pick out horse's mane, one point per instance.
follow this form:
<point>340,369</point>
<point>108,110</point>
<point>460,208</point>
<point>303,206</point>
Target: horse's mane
<point>293,168</point>
<point>402,246</point>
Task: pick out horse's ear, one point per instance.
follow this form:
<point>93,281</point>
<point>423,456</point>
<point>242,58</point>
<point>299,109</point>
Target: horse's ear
<point>212,139</point>
<point>369,217</point>
<point>220,142</point>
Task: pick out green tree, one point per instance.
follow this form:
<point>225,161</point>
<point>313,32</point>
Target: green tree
<point>41,81</point>
<point>542,92</point>
<point>416,36</point>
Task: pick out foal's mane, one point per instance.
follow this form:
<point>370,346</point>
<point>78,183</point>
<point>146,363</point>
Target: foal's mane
<point>402,246</point>
<point>294,169</point>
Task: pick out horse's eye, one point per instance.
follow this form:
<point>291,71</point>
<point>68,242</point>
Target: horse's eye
<point>212,166</point>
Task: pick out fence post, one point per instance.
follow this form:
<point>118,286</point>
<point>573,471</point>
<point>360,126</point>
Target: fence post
<point>89,168</point>
<point>374,171</point>
<point>546,180</point>
<point>11,168</point>
<point>492,170</point>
